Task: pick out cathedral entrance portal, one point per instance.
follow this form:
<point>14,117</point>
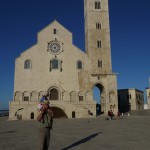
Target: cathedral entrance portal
<point>53,94</point>
<point>99,97</point>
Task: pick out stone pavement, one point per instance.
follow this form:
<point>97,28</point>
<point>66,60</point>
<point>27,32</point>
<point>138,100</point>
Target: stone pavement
<point>129,133</point>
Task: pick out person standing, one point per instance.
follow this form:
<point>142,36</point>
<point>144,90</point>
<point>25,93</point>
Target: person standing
<point>45,119</point>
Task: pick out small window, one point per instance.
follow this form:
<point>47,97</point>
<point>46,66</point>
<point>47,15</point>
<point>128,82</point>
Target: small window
<point>98,25</point>
<point>54,64</point>
<point>27,64</point>
<point>79,64</point>
<point>99,64</point>
<point>80,98</point>
<point>99,44</point>
<point>55,31</point>
<point>97,5</point>
<point>26,98</point>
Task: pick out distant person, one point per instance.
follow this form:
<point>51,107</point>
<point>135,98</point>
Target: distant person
<point>118,115</point>
<point>45,119</point>
<point>111,114</point>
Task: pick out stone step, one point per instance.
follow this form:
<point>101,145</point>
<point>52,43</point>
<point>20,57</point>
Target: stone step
<point>139,112</point>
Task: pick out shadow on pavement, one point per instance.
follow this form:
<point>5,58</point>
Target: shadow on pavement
<point>7,132</point>
<point>82,141</point>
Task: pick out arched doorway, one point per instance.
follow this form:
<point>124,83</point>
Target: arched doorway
<point>73,114</point>
<point>59,113</point>
<point>32,115</point>
<point>99,97</point>
<point>53,94</point>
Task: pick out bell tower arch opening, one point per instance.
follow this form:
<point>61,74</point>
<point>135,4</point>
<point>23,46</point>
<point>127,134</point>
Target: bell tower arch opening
<point>99,97</point>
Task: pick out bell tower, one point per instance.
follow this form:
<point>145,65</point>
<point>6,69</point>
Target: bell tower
<point>97,35</point>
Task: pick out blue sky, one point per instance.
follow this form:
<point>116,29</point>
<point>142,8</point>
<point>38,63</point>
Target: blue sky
<point>130,36</point>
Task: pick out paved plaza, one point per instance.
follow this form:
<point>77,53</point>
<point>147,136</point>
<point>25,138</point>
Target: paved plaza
<point>128,133</point>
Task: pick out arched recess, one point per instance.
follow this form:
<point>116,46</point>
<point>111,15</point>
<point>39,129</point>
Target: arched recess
<point>26,96</point>
<point>18,96</point>
<point>65,96</point>
<point>81,96</point>
<point>112,97</point>
<point>18,115</point>
<point>34,96</point>
<point>58,112</point>
<point>99,96</point>
<point>54,93</point>
<point>73,96</point>
<point>55,90</point>
<point>112,101</point>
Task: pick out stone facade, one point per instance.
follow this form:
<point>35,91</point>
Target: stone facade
<point>54,65</point>
<point>148,97</point>
<point>130,99</point>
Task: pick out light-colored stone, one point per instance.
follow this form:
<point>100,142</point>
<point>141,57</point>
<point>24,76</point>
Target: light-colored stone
<point>73,87</point>
<point>148,97</point>
<point>130,99</point>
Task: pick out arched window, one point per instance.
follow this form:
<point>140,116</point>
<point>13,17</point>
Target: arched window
<point>73,96</point>
<point>99,44</point>
<point>18,96</point>
<point>54,64</point>
<point>27,64</point>
<point>97,5</point>
<point>26,96</point>
<point>55,31</point>
<point>99,63</point>
<point>81,96</point>
<point>98,25</point>
<point>34,96</point>
<point>54,94</point>
<point>79,64</point>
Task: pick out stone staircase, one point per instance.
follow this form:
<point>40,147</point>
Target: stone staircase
<point>139,113</point>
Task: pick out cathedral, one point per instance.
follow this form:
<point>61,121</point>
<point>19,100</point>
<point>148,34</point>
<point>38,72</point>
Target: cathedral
<point>56,67</point>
